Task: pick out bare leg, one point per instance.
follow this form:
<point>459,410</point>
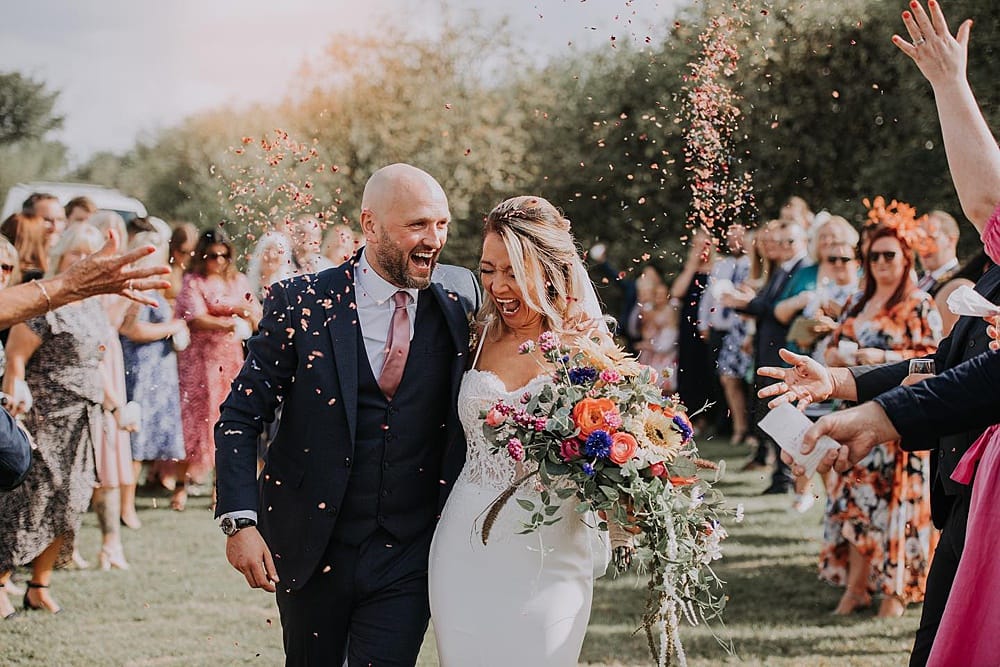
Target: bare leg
<point>107,507</point>
<point>6,607</point>
<point>736,398</point>
<point>178,500</point>
<point>130,517</point>
<point>41,576</point>
<point>856,596</point>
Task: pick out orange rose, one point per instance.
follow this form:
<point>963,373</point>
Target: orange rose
<point>589,415</point>
<point>623,446</point>
<point>683,481</point>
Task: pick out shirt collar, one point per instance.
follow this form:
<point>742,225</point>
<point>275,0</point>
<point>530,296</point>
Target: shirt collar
<point>790,264</point>
<point>944,268</point>
<point>368,282</point>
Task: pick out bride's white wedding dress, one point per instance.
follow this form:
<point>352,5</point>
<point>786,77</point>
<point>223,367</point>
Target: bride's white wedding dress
<point>520,599</point>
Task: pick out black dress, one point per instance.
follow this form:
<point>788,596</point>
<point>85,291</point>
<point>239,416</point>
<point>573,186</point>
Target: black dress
<point>693,370</point>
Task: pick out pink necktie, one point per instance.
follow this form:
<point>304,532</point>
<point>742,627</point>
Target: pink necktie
<point>397,346</point>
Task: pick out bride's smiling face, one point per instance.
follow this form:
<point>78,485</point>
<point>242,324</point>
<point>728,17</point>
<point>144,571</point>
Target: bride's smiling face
<point>501,286</point>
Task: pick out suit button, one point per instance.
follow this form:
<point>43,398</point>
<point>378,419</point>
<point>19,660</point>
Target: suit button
<point>389,437</point>
<point>385,465</point>
<point>380,519</point>
<point>332,511</point>
<point>347,462</point>
<point>385,492</point>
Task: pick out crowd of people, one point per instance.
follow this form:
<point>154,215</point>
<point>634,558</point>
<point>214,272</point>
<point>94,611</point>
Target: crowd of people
<point>109,384</point>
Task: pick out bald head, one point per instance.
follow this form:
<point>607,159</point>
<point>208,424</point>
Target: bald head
<point>399,183</point>
<point>404,217</point>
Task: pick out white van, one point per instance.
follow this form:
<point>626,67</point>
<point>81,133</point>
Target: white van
<point>105,198</point>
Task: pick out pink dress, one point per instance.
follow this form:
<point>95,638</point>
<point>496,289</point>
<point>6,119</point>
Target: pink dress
<point>113,449</point>
<point>208,366</point>
<point>969,633</point>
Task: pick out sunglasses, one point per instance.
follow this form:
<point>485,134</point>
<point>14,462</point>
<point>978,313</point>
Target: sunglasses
<point>839,260</point>
<point>7,268</point>
<point>887,255</point>
<point>217,255</point>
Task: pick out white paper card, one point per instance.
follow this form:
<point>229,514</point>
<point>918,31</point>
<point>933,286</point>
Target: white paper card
<point>969,302</point>
<point>788,426</point>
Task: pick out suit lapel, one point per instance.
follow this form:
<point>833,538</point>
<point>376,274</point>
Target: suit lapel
<point>451,306</point>
<point>342,327</point>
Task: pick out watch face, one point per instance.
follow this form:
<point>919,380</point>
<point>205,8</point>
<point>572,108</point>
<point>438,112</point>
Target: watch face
<point>228,526</point>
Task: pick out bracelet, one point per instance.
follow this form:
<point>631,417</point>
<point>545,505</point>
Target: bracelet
<point>45,293</point>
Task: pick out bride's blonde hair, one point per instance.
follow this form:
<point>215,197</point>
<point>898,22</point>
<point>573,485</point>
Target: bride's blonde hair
<point>544,259</point>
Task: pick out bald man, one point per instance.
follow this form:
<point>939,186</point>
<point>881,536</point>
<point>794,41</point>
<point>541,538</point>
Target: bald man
<point>366,360</point>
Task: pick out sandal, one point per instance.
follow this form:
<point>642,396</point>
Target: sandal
<point>178,500</point>
<point>30,607</point>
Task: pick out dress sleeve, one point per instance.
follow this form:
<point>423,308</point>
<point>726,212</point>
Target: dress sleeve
<point>991,236</point>
<point>191,299</point>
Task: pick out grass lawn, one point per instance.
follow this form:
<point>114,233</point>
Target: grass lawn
<point>181,604</point>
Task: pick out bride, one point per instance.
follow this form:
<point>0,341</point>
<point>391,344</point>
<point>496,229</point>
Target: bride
<point>521,599</point>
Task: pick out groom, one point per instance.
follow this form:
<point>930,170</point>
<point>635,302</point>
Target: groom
<point>366,360</point>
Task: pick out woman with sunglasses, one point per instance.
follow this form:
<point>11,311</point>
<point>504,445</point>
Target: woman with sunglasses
<point>218,304</point>
<point>878,532</point>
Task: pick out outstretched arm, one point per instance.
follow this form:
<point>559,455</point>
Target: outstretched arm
<point>973,155</point>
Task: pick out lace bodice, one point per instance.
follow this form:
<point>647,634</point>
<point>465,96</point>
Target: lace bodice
<point>479,390</point>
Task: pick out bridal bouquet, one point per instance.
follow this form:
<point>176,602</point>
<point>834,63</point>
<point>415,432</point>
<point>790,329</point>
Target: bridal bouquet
<point>603,433</point>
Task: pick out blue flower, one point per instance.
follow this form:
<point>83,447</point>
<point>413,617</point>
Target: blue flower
<point>588,470</point>
<point>583,375</point>
<point>598,445</point>
<point>683,426</point>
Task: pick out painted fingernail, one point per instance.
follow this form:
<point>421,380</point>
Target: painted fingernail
<point>931,3</point>
<point>914,4</point>
<point>906,15</point>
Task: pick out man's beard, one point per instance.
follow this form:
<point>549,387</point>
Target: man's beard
<point>396,265</point>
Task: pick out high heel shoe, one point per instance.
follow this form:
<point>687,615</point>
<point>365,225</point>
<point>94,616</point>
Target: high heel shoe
<point>13,612</point>
<point>112,557</point>
<point>30,607</point>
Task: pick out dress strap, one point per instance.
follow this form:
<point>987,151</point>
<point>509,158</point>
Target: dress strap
<point>479,347</point>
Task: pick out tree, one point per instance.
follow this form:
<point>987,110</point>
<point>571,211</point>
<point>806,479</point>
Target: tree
<point>25,109</point>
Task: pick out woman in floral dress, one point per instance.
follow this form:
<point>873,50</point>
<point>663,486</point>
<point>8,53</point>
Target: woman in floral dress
<point>219,306</point>
<point>878,534</point>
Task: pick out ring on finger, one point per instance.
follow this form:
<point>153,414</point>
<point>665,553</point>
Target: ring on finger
<point>130,285</point>
<point>918,42</point>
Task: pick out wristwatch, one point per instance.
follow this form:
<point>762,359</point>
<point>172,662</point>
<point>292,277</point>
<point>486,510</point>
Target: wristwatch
<point>231,526</point>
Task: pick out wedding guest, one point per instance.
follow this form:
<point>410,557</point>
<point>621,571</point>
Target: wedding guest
<point>48,208</point>
<point>692,351</point>
<point>182,243</point>
<point>715,321</point>
<point>878,521</point>
<point>219,307</point>
<point>113,452</point>
<point>659,330</point>
<point>795,209</point>
<point>785,246</point>
<point>270,262</point>
<point>340,244</point>
<point>9,266</point>
<point>148,340</point>
<point>939,263</point>
<point>735,356</point>
<point>307,239</point>
<point>79,209</point>
<point>634,291</point>
<point>58,355</point>
<point>27,234</point>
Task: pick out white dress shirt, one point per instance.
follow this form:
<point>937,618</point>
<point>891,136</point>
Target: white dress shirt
<point>373,298</point>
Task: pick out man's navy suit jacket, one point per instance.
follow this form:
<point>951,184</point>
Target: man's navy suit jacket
<point>305,356</point>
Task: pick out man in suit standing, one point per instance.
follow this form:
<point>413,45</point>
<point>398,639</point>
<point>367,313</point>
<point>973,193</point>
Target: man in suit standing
<point>940,259</point>
<point>366,360</point>
<point>807,379</point>
<point>789,255</point>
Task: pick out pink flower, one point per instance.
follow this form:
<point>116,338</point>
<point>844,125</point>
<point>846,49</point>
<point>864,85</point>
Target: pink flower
<point>525,397</point>
<point>495,417</point>
<point>569,449</point>
<point>526,347</point>
<point>548,341</point>
<point>540,424</point>
<point>515,449</point>
<point>658,470</point>
<point>611,376</point>
<point>613,420</point>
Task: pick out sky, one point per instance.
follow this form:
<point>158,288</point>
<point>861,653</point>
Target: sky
<point>125,68</point>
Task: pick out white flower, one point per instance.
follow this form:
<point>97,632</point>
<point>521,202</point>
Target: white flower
<point>697,496</point>
<point>739,513</point>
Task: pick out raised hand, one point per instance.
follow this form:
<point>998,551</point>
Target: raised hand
<point>107,272</point>
<point>940,57</point>
<point>807,381</point>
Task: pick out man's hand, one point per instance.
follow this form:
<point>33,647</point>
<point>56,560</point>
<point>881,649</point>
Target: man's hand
<point>807,381</point>
<point>107,272</point>
<point>994,331</point>
<point>248,553</point>
<point>857,430</point>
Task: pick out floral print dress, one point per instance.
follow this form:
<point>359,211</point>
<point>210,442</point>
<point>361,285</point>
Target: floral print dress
<point>882,505</point>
